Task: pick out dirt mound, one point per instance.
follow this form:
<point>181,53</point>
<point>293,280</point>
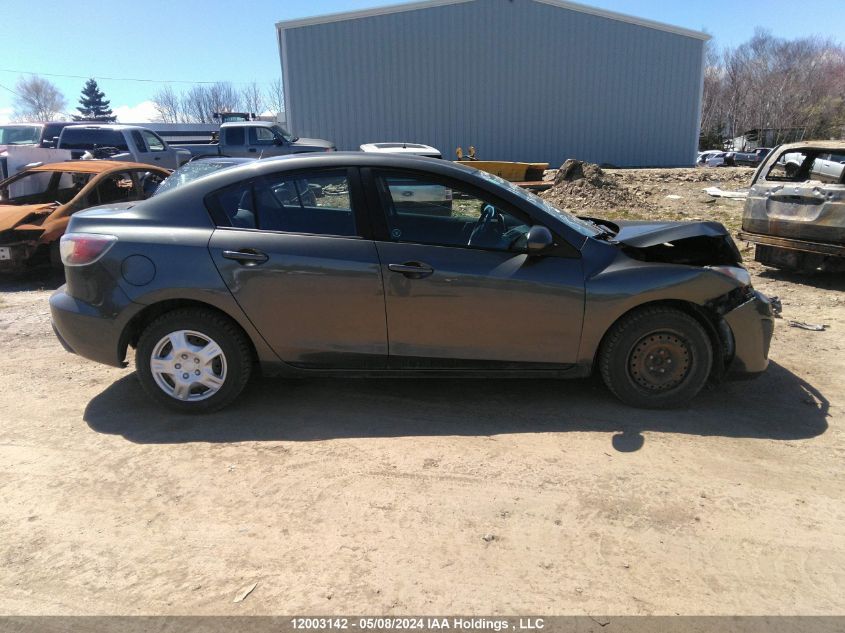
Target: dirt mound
<point>582,185</point>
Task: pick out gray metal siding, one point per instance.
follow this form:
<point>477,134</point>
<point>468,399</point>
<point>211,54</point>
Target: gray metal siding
<point>518,79</point>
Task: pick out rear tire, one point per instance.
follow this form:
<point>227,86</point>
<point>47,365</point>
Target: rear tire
<point>193,360</point>
<point>656,358</point>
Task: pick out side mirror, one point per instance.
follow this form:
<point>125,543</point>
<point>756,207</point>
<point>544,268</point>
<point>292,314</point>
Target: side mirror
<point>539,238</point>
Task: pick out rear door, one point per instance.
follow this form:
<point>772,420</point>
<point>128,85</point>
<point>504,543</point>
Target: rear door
<point>294,251</point>
<point>458,294</point>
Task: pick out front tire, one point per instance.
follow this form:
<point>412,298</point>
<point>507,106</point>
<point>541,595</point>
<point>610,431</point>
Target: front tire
<point>656,358</point>
<point>193,360</point>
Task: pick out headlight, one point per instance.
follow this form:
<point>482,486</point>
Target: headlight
<point>738,273</point>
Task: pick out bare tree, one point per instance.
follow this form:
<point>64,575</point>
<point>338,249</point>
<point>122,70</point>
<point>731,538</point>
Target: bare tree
<point>195,105</point>
<point>37,99</point>
<point>168,105</point>
<point>791,87</point>
<point>252,98</point>
<point>222,97</point>
<point>275,98</point>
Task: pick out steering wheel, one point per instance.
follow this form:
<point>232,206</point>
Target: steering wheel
<point>488,229</point>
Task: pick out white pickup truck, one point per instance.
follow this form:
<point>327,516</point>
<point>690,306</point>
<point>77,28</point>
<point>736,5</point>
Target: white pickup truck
<point>121,142</point>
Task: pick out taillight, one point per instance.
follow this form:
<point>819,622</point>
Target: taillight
<point>80,249</point>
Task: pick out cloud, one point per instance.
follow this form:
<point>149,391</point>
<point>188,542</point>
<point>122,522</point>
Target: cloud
<point>5,115</point>
<point>144,112</point>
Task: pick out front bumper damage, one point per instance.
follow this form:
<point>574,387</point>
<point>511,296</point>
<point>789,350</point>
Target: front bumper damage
<point>752,326</point>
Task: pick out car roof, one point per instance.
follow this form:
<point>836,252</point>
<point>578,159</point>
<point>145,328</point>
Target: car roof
<point>93,166</point>
<point>329,160</point>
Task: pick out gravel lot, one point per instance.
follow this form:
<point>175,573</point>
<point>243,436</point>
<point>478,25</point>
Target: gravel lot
<point>391,496</point>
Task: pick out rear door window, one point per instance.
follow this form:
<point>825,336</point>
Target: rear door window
<point>235,136</point>
<point>316,203</point>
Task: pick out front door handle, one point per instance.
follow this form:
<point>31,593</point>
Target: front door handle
<point>252,149</point>
<point>412,270</point>
<point>248,257</point>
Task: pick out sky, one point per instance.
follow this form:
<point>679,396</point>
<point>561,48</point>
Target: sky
<point>210,40</point>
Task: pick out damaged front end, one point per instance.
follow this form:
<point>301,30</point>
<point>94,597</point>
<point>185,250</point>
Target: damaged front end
<point>741,320</point>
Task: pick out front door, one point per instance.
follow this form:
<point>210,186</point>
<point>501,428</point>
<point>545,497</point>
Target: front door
<point>290,250</point>
<point>458,289</point>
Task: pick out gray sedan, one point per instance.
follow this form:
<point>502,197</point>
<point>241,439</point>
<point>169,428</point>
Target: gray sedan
<point>321,264</point>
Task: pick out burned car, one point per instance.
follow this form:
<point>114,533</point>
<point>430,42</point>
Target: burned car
<point>37,204</point>
<point>795,209</point>
<point>245,269</point>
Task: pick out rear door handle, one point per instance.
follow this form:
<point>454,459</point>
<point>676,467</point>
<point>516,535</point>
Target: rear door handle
<point>412,270</point>
<point>248,257</point>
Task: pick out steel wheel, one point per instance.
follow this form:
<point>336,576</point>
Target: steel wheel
<point>656,357</point>
<point>659,361</point>
<point>188,365</point>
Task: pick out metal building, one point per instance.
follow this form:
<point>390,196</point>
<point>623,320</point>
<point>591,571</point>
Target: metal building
<point>524,80</point>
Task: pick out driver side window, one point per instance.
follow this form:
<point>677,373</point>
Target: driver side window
<point>425,211</point>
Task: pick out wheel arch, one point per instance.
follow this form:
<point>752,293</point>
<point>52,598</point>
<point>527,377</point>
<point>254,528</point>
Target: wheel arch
<point>720,336</point>
<point>139,322</point>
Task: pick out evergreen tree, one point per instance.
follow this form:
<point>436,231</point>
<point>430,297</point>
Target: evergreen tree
<point>93,105</point>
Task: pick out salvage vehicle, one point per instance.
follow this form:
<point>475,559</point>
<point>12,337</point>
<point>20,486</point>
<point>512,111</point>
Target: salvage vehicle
<point>257,139</point>
<point>354,282</point>
<point>795,209</point>
<point>36,204</point>
<point>121,142</point>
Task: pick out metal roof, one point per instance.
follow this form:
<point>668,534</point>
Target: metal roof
<point>428,4</point>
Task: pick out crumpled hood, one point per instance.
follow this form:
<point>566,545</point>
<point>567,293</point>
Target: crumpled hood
<point>11,215</point>
<point>689,243</point>
<point>645,234</point>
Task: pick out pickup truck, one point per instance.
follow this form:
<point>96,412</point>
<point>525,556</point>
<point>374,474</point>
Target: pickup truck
<point>795,210</point>
<point>40,134</point>
<point>123,143</point>
<point>257,139</point>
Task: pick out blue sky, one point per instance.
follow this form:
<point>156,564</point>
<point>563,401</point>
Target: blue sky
<point>211,40</point>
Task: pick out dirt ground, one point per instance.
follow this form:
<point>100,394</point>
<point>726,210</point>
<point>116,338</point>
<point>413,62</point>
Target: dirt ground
<point>440,497</point>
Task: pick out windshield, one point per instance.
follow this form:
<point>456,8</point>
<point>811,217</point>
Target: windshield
<point>582,226</point>
<point>43,187</point>
<point>192,171</point>
<point>280,131</point>
<point>20,134</point>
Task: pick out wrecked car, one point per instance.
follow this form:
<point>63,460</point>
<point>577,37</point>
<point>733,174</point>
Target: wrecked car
<point>795,209</point>
<point>242,271</point>
<point>37,203</point>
